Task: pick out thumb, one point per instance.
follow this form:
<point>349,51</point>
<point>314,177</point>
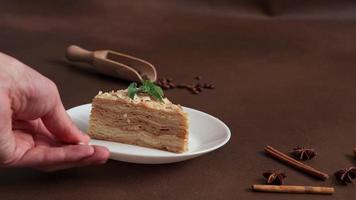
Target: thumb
<point>58,122</point>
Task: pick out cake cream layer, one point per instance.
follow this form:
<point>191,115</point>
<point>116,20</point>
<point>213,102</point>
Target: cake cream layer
<point>142,121</point>
<point>138,121</point>
<point>134,124</point>
<point>139,111</point>
<point>141,138</point>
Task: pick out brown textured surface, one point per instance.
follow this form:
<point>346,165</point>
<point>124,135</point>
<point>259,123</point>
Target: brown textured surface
<point>284,71</point>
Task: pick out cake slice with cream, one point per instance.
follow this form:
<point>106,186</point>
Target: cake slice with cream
<point>142,120</point>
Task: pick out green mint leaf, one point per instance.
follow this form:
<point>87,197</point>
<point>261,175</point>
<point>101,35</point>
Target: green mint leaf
<point>147,87</point>
<point>156,94</point>
<point>153,90</point>
<point>132,90</point>
<point>159,90</point>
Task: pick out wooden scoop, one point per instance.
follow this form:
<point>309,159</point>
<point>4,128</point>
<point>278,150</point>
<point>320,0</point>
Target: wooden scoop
<point>114,63</point>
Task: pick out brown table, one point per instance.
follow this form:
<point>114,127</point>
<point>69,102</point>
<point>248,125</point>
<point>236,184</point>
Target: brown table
<point>285,75</point>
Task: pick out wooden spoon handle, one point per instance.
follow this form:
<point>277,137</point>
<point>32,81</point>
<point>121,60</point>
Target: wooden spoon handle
<point>78,54</point>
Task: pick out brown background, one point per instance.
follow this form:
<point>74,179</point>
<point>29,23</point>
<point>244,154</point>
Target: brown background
<point>284,70</point>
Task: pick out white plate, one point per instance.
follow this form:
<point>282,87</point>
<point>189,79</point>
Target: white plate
<point>206,133</point>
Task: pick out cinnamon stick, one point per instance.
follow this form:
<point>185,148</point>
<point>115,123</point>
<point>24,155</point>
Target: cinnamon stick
<point>295,163</point>
<point>355,151</point>
<point>293,189</point>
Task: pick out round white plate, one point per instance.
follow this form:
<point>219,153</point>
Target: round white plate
<point>206,133</point>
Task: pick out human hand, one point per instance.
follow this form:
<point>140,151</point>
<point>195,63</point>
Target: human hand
<point>35,130</point>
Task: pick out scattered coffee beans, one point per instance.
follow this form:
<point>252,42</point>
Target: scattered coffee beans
<point>167,83</point>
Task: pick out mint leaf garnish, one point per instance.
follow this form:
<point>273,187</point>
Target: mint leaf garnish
<point>132,90</point>
<point>152,89</point>
<point>146,87</point>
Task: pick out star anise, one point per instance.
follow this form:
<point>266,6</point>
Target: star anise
<point>346,175</point>
<point>274,177</point>
<point>302,153</point>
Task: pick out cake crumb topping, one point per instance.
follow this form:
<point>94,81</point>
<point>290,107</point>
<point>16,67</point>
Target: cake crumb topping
<point>140,98</point>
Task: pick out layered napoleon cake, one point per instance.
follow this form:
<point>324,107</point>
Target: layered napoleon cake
<point>143,121</point>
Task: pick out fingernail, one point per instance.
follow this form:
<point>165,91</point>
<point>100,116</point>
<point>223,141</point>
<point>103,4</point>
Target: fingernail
<point>92,150</point>
<point>87,138</point>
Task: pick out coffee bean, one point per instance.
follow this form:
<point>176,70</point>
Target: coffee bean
<point>195,92</point>
<point>165,86</point>
<point>194,88</point>
<point>190,86</point>
<point>172,85</point>
<point>209,86</point>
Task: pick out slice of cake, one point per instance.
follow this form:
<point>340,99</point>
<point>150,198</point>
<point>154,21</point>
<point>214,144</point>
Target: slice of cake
<point>142,120</point>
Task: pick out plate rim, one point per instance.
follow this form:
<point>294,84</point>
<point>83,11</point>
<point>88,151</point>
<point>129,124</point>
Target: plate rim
<point>184,154</point>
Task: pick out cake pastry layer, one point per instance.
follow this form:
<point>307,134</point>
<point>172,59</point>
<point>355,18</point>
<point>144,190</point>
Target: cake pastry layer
<point>142,121</point>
